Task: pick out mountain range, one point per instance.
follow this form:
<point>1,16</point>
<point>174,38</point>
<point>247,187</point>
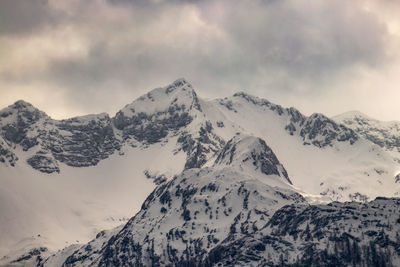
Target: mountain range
<point>231,181</point>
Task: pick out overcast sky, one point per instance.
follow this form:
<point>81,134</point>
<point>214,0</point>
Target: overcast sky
<point>77,57</point>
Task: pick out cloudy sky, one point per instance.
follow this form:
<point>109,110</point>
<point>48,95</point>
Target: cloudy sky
<point>77,57</point>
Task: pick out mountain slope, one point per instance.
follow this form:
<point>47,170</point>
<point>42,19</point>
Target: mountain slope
<point>221,216</point>
<point>321,156</point>
<point>337,234</point>
<point>182,220</point>
<point>92,172</point>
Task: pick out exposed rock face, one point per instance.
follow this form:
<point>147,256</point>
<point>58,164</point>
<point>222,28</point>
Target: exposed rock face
<point>296,120</point>
<point>16,125</point>
<point>397,178</point>
<point>33,258</point>
<point>200,146</point>
<point>153,116</point>
<point>17,121</point>
<point>43,163</point>
<point>89,140</point>
<point>152,128</point>
<point>169,112</point>
<point>80,141</point>
<point>6,155</point>
<point>321,131</point>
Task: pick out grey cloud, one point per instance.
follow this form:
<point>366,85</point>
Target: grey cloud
<point>307,42</point>
<point>26,17</point>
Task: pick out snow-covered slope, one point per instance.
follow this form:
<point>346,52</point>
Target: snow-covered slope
<point>251,156</point>
<point>188,216</point>
<point>320,156</point>
<point>222,216</point>
<point>49,201</point>
<point>65,180</point>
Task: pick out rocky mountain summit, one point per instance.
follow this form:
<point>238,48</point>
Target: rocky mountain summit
<point>149,122</point>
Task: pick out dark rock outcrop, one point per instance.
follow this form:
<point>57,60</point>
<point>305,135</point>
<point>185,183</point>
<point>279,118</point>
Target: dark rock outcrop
<point>151,127</point>
<point>43,163</point>
<point>322,131</point>
<point>88,141</point>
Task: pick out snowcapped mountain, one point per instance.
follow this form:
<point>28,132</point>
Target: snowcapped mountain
<point>65,180</point>
<point>189,215</point>
<point>222,216</point>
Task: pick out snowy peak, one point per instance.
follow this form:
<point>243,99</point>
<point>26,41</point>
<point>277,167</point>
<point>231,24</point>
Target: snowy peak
<point>251,153</point>
<point>179,93</point>
<point>384,134</point>
<point>21,114</point>
<point>21,105</point>
<point>152,116</point>
<point>179,84</point>
<point>17,122</point>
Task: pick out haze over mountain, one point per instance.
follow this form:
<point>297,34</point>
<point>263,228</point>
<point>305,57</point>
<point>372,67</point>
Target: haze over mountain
<point>202,176</point>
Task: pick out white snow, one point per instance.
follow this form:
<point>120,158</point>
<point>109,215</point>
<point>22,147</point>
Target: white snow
<point>79,202</point>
